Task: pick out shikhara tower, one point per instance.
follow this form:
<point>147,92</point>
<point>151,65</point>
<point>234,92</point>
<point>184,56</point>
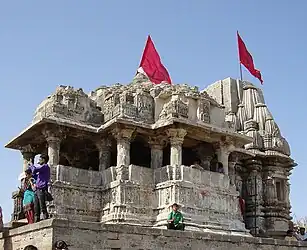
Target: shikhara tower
<point>124,153</point>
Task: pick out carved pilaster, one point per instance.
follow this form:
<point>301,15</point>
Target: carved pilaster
<point>123,138</point>
<point>176,138</point>
<point>157,143</point>
<point>104,147</point>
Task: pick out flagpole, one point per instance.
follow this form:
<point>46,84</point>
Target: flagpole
<point>241,74</point>
<point>240,65</point>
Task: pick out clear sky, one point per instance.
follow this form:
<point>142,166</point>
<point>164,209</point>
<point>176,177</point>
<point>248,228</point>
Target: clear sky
<point>91,43</point>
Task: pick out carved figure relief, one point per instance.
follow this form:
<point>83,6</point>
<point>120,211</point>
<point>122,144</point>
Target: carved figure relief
<point>145,106</point>
<point>204,111</point>
<point>175,108</point>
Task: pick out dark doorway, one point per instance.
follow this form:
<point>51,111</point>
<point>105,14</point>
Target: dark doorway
<point>79,153</point>
<point>140,152</point>
<point>167,155</point>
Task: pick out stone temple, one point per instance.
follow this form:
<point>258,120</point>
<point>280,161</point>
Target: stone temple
<point>123,154</point>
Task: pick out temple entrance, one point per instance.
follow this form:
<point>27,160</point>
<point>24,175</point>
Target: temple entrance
<point>140,152</point>
<point>79,153</point>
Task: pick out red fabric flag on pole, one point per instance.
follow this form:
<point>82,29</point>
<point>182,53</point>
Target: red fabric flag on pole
<point>152,66</point>
<point>247,60</point>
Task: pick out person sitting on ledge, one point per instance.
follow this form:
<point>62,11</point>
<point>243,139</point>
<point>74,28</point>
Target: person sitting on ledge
<point>30,247</point>
<point>301,236</point>
<point>41,192</point>
<point>60,245</point>
<point>175,219</point>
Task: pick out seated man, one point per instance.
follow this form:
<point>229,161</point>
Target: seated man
<point>301,236</point>
<point>175,219</point>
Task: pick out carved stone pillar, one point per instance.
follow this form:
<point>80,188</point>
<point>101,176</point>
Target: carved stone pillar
<point>231,172</point>
<point>104,147</point>
<point>222,152</point>
<point>53,150</point>
<point>53,137</point>
<point>123,138</point>
<point>239,172</point>
<point>254,202</point>
<point>176,137</point>
<point>28,155</point>
<point>157,144</point>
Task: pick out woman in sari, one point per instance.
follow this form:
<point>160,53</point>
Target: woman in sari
<point>28,196</point>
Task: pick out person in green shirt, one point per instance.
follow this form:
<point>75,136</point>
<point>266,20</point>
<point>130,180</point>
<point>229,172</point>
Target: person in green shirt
<point>175,219</point>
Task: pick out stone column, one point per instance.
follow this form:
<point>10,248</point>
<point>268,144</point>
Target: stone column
<point>104,147</point>
<point>231,172</point>
<point>53,150</point>
<point>123,138</point>
<point>157,144</point>
<point>28,155</point>
<point>176,137</point>
<point>254,214</point>
<point>222,153</point>
<point>53,138</point>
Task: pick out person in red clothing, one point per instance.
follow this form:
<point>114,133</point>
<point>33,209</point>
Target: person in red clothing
<point>242,205</point>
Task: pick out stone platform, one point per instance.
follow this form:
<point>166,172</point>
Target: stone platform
<point>91,235</point>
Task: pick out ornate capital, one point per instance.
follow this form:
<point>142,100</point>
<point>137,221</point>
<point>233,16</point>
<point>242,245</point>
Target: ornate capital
<point>53,135</point>
<point>176,135</point>
<point>28,149</point>
<point>103,143</point>
<point>123,134</point>
<point>158,142</point>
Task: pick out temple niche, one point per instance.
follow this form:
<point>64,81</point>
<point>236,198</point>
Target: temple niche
<point>125,153</point>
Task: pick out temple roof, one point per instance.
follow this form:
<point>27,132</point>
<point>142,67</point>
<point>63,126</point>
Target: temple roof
<point>228,107</point>
<point>245,107</point>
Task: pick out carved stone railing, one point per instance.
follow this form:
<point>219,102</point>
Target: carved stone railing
<point>77,176</point>
<point>76,193</point>
<point>18,213</point>
<point>207,198</point>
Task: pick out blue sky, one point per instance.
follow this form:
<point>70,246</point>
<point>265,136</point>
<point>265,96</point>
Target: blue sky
<point>91,43</point>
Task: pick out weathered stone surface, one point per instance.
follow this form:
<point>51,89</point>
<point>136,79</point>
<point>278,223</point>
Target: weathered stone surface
<point>80,236</point>
<point>125,153</point>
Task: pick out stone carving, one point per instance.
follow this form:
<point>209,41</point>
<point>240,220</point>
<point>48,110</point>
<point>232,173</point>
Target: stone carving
<point>204,111</point>
<point>182,130</point>
<point>68,103</point>
<point>145,106</point>
<point>175,108</point>
<point>122,173</point>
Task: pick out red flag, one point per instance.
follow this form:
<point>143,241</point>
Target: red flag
<point>152,66</point>
<point>247,60</point>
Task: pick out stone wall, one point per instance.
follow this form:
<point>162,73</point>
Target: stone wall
<point>88,236</point>
<point>139,195</point>
<point>39,235</point>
